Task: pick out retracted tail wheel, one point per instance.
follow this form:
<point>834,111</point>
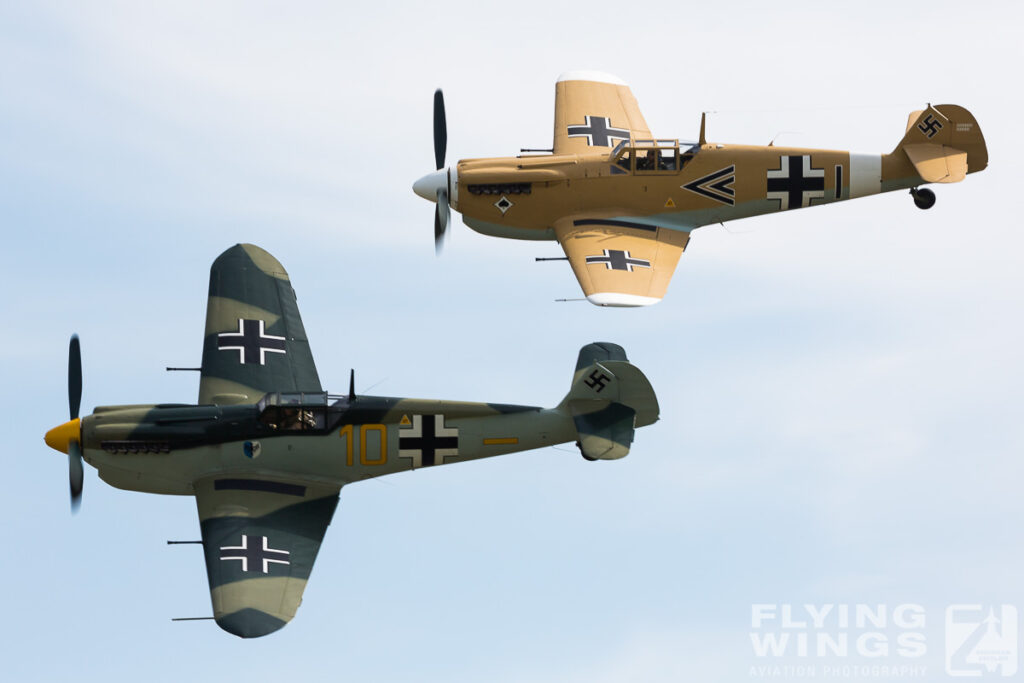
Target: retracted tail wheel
<point>923,198</point>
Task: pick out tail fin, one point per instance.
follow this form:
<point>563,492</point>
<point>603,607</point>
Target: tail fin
<point>609,398</point>
<point>944,143</point>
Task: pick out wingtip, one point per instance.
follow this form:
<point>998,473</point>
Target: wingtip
<point>250,623</point>
<point>595,76</point>
<point>620,300</point>
<point>244,252</point>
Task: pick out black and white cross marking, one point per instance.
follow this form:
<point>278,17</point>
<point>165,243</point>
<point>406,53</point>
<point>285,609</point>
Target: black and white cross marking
<point>930,126</point>
<point>717,185</point>
<point>598,131</point>
<point>251,342</point>
<point>427,441</point>
<point>597,380</point>
<point>615,259</point>
<point>794,183</point>
<point>254,553</point>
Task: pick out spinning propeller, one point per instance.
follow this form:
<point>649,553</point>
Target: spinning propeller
<point>434,186</point>
<point>67,438</point>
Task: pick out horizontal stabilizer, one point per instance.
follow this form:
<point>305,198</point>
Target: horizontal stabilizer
<point>938,163</point>
<point>606,434</point>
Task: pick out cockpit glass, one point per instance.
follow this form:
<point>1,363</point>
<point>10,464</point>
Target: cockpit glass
<point>667,160</point>
<point>294,411</point>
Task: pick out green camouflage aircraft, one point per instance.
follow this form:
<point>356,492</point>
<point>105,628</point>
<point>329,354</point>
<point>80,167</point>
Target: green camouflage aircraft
<point>267,450</point>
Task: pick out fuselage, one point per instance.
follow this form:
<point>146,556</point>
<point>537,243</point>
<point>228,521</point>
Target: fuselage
<point>166,448</point>
<point>667,186</point>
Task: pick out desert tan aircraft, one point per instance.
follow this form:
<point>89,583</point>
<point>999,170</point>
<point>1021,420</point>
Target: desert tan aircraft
<point>623,204</point>
<point>267,450</point>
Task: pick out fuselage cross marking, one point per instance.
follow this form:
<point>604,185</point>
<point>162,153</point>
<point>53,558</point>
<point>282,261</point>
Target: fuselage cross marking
<point>794,183</point>
<point>427,441</point>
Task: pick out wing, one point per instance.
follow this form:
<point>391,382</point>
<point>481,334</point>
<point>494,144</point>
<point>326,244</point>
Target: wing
<point>255,341</point>
<point>619,263</point>
<point>260,538</point>
<point>594,110</point>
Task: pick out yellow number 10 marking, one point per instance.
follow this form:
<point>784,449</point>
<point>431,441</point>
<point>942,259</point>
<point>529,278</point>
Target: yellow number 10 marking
<point>382,457</point>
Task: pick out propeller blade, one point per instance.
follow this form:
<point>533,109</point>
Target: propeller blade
<point>440,130</point>
<point>74,376</point>
<point>438,231</point>
<point>75,474</point>
<point>441,214</point>
<point>442,209</point>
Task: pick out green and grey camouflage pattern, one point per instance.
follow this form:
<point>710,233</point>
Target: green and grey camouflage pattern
<point>263,511</point>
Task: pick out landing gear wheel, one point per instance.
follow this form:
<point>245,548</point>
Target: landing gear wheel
<point>923,198</point>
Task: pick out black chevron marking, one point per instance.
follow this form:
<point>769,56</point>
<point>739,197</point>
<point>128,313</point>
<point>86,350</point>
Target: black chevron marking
<point>717,185</point>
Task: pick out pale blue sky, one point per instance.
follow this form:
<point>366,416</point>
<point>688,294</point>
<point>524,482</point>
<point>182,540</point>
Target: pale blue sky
<point>840,387</point>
